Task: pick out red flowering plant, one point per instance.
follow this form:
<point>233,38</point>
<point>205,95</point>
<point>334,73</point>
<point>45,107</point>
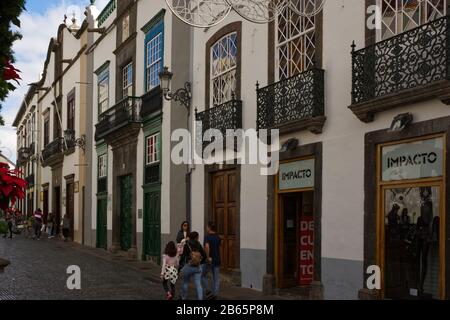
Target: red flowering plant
<point>12,186</point>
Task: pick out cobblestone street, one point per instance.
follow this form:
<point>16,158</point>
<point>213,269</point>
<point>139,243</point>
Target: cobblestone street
<point>38,271</point>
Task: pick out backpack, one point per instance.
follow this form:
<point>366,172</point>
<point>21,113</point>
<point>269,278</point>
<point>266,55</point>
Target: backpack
<point>195,257</point>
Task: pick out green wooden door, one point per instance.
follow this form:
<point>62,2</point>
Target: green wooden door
<point>102,224</point>
<point>126,195</point>
<point>152,224</point>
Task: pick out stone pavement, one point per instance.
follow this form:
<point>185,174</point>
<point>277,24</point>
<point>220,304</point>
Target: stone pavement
<point>38,271</point>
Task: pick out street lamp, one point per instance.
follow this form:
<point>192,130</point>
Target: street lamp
<point>182,95</point>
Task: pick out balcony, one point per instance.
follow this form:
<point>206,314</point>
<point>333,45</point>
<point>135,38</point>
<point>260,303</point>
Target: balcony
<point>30,180</point>
<point>69,135</point>
<point>23,155</point>
<point>152,102</point>
<point>227,116</point>
<point>293,104</point>
<point>125,114</point>
<point>53,153</point>
<point>408,68</point>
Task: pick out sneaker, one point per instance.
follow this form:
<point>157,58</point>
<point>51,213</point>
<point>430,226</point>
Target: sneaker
<point>169,296</point>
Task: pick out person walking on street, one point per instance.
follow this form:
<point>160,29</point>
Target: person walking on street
<point>50,225</point>
<point>169,269</point>
<point>212,249</point>
<point>9,221</point>
<point>37,224</point>
<point>182,237</point>
<point>195,256</point>
<point>66,227</point>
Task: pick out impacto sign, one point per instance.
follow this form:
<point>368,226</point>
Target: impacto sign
<point>296,175</point>
<point>414,160</point>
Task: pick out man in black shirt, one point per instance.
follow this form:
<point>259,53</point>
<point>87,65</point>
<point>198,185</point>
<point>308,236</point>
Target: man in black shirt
<point>212,250</point>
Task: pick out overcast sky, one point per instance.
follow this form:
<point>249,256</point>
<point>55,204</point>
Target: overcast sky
<point>39,23</point>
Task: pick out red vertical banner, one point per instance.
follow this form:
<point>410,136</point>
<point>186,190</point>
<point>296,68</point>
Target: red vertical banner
<point>306,250</point>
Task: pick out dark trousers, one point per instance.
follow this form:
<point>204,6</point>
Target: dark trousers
<point>37,229</point>
<point>169,287</point>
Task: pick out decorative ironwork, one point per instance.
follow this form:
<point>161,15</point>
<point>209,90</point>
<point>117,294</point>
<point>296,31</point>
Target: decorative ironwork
<point>152,174</point>
<point>54,148</point>
<point>125,112</point>
<point>208,13</point>
<point>227,116</point>
<point>298,98</point>
<point>72,141</point>
<point>409,60</point>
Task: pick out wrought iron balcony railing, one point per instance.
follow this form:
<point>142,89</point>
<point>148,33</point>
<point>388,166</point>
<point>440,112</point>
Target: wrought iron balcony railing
<point>123,113</point>
<point>290,102</point>
<point>227,116</point>
<point>403,63</point>
<point>53,149</point>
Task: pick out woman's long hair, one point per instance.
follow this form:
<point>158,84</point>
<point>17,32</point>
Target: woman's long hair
<point>171,249</point>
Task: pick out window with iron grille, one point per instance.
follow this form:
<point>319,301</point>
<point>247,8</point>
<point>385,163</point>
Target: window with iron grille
<point>399,16</point>
<point>223,69</point>
<point>154,61</point>
<point>127,80</point>
<point>103,92</point>
<point>152,150</point>
<point>295,40</point>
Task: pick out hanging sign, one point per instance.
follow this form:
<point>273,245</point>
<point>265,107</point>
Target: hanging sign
<point>306,251</point>
<point>296,175</point>
<point>413,160</point>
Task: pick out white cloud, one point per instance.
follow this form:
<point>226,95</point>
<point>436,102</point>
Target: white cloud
<point>30,53</point>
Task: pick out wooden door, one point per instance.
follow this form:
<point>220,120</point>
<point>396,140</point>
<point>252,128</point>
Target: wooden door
<point>70,207</point>
<point>102,223</point>
<point>126,195</point>
<point>152,224</point>
<point>224,216</point>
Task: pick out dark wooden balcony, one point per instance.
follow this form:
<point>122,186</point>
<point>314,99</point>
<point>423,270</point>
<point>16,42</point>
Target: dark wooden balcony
<point>152,103</point>
<point>293,104</point>
<point>23,155</point>
<point>411,67</point>
<point>124,115</point>
<point>30,180</point>
<point>53,153</point>
<point>227,116</point>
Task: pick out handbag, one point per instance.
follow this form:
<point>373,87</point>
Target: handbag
<point>196,257</point>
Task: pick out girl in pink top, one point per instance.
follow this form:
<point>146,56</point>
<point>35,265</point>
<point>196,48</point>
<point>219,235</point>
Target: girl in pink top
<point>169,270</point>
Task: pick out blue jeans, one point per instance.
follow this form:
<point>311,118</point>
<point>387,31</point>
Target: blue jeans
<point>188,272</point>
<point>215,271</point>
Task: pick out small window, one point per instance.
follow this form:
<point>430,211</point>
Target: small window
<point>103,166</point>
<point>125,27</point>
<point>127,77</point>
<point>152,155</point>
<point>103,93</point>
<point>154,61</point>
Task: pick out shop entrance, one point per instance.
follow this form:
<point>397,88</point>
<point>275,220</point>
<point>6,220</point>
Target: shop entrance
<point>296,245</point>
<point>411,219</point>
